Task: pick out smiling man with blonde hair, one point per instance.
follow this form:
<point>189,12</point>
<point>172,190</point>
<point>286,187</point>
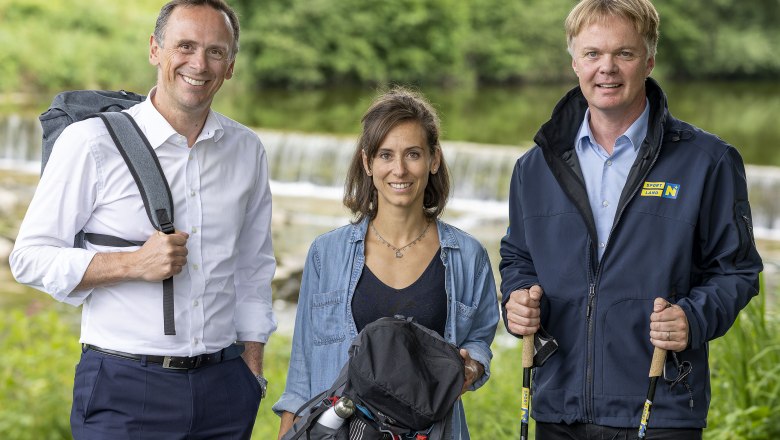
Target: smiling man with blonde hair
<point>629,230</point>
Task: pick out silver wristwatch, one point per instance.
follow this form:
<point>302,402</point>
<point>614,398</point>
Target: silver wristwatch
<point>263,384</point>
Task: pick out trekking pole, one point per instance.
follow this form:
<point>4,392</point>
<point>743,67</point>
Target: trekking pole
<point>528,363</point>
<point>656,370</point>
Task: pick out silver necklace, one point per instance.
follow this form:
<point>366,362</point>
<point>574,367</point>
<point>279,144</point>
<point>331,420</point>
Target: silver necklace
<point>399,251</point>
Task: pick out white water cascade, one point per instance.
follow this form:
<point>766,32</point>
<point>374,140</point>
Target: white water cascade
<point>314,165</point>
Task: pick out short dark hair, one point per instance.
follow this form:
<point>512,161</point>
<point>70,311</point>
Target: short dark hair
<point>219,5</point>
<point>390,109</point>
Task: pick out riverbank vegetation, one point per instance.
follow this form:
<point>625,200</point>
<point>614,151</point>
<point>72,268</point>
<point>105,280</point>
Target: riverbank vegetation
<point>53,45</point>
<point>40,348</point>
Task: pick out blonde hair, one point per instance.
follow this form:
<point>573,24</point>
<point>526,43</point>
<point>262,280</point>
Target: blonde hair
<point>641,14</point>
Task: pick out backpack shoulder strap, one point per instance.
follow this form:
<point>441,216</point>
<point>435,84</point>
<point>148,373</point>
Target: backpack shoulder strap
<point>144,166</point>
<point>147,172</point>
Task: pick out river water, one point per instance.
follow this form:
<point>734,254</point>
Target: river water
<point>308,163</point>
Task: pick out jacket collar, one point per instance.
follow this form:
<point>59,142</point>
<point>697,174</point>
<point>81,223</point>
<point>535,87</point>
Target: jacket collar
<point>557,136</point>
<point>559,133</point>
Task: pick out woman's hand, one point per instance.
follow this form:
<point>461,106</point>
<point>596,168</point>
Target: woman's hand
<point>472,370</point>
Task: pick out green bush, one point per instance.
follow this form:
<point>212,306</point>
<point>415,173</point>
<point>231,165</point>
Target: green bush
<point>40,352</point>
<point>745,368</point>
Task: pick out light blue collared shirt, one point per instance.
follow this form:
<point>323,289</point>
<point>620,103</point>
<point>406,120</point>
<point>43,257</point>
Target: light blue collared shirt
<point>325,328</point>
<point>605,175</point>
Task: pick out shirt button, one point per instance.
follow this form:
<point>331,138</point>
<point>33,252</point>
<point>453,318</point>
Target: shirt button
<point>609,163</point>
<point>192,193</point>
<point>195,303</point>
<point>195,266</point>
<point>605,203</point>
<point>602,245</point>
<point>189,157</point>
<point>195,341</point>
<point>194,230</point>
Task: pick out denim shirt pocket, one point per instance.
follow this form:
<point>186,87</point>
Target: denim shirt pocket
<point>464,318</point>
<point>328,317</point>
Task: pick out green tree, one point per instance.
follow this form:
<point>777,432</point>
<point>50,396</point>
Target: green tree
<point>320,42</point>
<point>518,41</point>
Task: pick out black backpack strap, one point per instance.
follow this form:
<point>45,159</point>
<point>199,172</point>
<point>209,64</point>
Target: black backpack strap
<point>310,411</point>
<point>147,172</point>
<point>110,240</point>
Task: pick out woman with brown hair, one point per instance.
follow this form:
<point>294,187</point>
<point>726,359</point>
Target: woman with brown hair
<point>395,258</point>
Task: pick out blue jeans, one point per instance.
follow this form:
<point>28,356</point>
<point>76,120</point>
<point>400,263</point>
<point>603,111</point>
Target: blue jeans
<point>116,398</point>
<point>586,431</point>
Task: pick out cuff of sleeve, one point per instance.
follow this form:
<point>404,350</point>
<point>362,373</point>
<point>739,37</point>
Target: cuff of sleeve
<point>483,357</point>
<point>695,339</point>
<point>66,273</point>
<point>287,402</point>
<point>255,323</point>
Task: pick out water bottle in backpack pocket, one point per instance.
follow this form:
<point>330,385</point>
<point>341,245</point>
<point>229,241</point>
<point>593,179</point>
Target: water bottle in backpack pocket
<point>403,380</point>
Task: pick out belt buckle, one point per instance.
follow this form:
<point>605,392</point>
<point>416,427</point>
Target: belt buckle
<point>167,364</point>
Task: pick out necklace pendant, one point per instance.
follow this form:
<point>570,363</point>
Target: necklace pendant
<point>398,254</point>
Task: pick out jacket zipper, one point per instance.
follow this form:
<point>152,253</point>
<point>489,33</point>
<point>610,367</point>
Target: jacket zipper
<point>592,296</point>
<point>591,348</point>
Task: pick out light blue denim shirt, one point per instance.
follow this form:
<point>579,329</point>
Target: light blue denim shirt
<point>325,328</point>
<point>605,175</point>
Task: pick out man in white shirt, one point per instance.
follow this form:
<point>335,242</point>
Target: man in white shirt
<point>133,381</point>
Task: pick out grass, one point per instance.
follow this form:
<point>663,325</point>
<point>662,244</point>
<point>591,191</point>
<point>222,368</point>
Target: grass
<point>40,347</point>
<point>746,377</point>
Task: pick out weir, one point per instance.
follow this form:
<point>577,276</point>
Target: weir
<point>315,165</point>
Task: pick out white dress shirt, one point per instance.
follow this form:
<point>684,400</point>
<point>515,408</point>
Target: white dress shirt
<point>221,199</point>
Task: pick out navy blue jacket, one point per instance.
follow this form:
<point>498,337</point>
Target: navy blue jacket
<point>682,231</point>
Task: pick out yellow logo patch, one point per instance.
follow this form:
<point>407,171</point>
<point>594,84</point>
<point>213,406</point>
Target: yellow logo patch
<point>660,189</point>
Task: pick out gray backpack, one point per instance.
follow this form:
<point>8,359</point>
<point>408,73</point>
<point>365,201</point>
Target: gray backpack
<point>73,106</point>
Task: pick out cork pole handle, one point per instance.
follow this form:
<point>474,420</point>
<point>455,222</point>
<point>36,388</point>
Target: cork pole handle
<point>657,364</point>
<point>528,351</point>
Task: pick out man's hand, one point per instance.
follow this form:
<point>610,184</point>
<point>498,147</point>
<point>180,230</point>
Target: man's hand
<point>668,326</point>
<point>162,256</point>
<point>522,311</point>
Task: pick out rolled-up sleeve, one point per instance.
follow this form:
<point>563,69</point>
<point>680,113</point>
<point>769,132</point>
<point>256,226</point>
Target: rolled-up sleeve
<point>255,319</point>
<point>43,256</point>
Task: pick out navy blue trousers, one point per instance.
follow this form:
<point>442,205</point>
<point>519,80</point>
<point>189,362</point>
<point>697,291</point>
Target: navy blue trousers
<point>116,398</point>
<point>586,431</point>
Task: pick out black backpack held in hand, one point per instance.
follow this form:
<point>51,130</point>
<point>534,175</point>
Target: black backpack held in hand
<point>403,379</point>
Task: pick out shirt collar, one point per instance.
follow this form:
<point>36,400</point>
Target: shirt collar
<point>635,133</point>
<point>158,130</point>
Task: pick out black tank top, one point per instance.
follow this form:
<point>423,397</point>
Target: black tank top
<point>425,299</point>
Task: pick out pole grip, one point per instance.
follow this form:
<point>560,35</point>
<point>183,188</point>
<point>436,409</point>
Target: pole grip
<point>528,351</point>
<point>657,364</point>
